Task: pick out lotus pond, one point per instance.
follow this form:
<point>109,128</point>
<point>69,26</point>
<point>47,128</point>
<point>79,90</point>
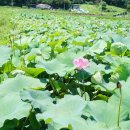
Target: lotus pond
<point>63,72</point>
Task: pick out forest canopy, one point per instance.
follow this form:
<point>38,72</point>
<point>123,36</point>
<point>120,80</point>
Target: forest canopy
<point>60,3</point>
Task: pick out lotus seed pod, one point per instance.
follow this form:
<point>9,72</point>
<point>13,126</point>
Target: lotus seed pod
<point>97,78</point>
<point>118,48</point>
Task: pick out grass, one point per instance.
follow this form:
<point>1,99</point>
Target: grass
<point>7,13</point>
<point>5,24</point>
<point>94,9</point>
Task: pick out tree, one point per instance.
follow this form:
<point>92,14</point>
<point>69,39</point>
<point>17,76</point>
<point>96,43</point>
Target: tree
<point>78,1</point>
<point>61,3</point>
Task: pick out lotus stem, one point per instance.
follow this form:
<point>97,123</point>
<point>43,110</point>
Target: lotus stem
<point>120,102</point>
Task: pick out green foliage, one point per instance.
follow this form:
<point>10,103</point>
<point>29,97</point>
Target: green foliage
<point>61,3</point>
<point>69,110</point>
<point>5,53</point>
<point>5,24</point>
<point>118,48</point>
<point>14,108</point>
<point>104,5</point>
<point>40,86</point>
<point>78,1</point>
<point>128,7</point>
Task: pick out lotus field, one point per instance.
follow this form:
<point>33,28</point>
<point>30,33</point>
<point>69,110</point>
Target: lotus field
<point>65,72</point>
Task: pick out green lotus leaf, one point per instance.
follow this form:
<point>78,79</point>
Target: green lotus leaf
<point>123,70</point>
<point>126,41</point>
<point>116,60</point>
<point>16,60</point>
<point>106,113</point>
<point>10,124</point>
<point>112,60</point>
<point>93,125</point>
<point>34,72</point>
<point>12,107</point>
<point>126,83</point>
<point>45,50</point>
<point>125,95</point>
<point>99,82</point>
<point>23,42</point>
<point>7,67</point>
<point>125,125</point>
<point>19,83</point>
<point>118,48</point>
<point>97,78</point>
<point>93,68</point>
<point>67,112</point>
<point>52,67</point>
<point>111,86</point>
<point>38,99</point>
<point>80,41</point>
<point>98,47</point>
<point>67,57</point>
<point>117,37</point>
<point>114,77</point>
<point>5,53</point>
<point>31,56</point>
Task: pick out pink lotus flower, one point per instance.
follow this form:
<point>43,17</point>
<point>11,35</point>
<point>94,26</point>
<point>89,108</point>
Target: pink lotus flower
<point>80,63</point>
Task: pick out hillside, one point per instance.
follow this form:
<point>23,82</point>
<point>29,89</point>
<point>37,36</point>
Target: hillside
<point>94,9</point>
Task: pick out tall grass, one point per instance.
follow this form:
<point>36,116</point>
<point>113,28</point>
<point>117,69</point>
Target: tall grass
<point>5,24</point>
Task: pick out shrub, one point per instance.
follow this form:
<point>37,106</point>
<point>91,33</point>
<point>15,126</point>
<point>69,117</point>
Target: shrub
<point>61,4</point>
<point>45,1</point>
<point>128,7</point>
<point>78,1</point>
<point>89,2</point>
<point>103,5</point>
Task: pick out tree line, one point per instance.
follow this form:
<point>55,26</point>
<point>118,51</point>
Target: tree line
<point>62,3</point>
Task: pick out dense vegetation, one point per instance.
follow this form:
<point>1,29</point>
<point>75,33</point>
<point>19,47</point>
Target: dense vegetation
<point>6,26</point>
<point>61,3</point>
<point>63,72</point>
